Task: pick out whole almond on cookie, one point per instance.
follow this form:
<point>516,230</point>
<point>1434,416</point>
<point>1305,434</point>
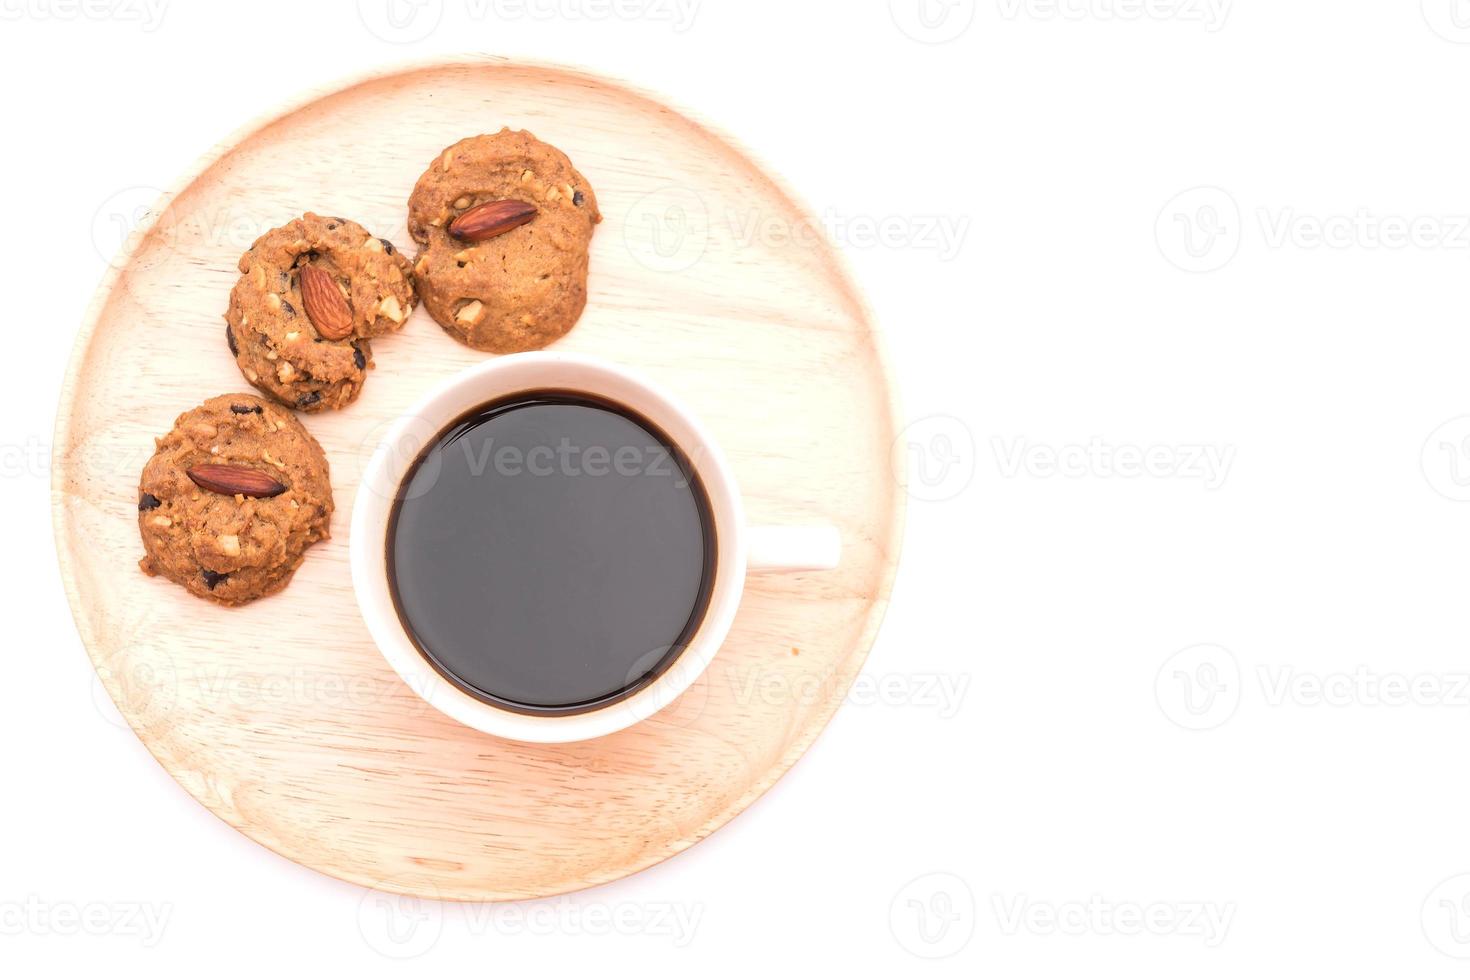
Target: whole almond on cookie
<point>230,479</point>
<point>325,305</point>
<point>485,221</point>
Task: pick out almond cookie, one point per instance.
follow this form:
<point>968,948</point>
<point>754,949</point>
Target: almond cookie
<point>310,294</point>
<point>232,498</point>
<point>503,224</point>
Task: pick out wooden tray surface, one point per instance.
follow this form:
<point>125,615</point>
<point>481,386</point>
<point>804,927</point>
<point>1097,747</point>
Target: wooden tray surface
<point>281,717</point>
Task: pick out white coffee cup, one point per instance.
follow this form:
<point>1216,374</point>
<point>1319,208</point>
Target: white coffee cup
<point>739,548</point>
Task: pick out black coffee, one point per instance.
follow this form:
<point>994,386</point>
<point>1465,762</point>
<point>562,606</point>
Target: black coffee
<point>551,552</point>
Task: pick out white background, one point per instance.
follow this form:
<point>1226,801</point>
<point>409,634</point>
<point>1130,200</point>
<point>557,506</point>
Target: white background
<point>1186,544</point>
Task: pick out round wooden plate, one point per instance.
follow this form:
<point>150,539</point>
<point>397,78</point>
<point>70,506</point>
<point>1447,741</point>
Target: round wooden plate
<point>281,717</point>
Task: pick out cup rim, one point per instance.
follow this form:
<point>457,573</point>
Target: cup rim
<point>461,392</point>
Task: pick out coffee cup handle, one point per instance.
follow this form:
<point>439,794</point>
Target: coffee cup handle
<point>792,549</point>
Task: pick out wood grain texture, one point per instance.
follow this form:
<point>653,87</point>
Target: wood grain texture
<point>281,717</point>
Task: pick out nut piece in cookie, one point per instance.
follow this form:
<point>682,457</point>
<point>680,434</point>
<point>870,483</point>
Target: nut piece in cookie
<point>503,224</point>
<point>310,294</point>
<point>232,498</point>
